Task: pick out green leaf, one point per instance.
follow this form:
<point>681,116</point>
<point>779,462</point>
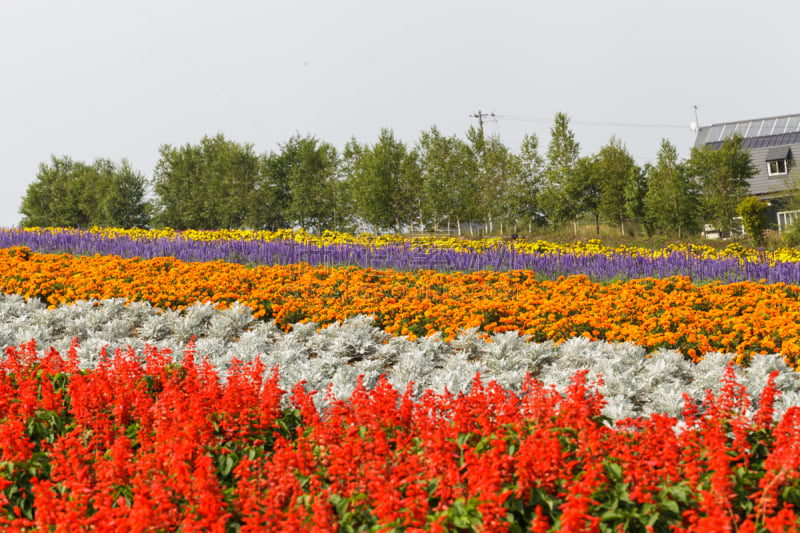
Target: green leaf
<point>670,505</point>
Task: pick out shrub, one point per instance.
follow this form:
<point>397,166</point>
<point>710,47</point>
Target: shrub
<point>753,211</point>
<point>791,237</point>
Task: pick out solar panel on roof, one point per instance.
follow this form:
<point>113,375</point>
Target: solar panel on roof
<point>764,140</point>
<point>764,129</point>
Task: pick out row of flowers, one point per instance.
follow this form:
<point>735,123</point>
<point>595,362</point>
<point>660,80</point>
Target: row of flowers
<point>159,446</point>
<point>733,263</point>
<point>742,318</point>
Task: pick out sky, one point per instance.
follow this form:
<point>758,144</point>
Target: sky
<point>114,80</point>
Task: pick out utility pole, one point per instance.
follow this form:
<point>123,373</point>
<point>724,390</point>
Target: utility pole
<point>480,116</point>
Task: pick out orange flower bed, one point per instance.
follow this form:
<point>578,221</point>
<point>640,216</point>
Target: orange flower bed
<point>743,318</point>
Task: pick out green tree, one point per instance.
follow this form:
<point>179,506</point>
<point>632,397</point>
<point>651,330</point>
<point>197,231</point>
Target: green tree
<point>585,188</point>
<point>121,203</point>
<point>672,202</point>
<point>73,194</point>
<point>618,175</point>
<point>384,180</point>
<point>524,195</point>
<point>724,176</point>
<point>497,173</point>
<point>210,185</point>
<point>635,192</point>
<point>49,200</point>
<point>449,181</point>
<point>562,156</point>
<point>313,184</point>
<point>274,194</point>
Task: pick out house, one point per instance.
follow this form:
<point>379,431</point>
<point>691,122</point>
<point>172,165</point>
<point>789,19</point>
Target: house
<point>774,145</point>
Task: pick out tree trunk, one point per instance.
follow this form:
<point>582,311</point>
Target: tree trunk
<point>530,226</point>
<point>458,225</point>
<point>622,225</point>
<point>501,227</point>
<point>471,230</point>
<point>597,224</point>
<point>575,226</point>
<point>448,224</point>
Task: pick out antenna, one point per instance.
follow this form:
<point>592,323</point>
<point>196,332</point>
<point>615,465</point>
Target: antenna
<point>696,124</point>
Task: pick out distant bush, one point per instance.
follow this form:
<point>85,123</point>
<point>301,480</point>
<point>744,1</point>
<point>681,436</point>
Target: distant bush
<point>791,237</point>
<point>753,211</point>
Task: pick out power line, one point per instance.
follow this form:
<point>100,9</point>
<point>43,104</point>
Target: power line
<point>593,123</point>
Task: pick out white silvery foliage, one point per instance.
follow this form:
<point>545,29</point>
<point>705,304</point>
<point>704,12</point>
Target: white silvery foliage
<point>417,363</point>
<point>77,327</point>
<point>228,323</point>
<point>708,375</point>
<point>788,398</point>
<point>352,340</point>
<point>506,358</point>
<point>457,373</point>
<point>213,348</point>
<point>193,319</point>
<point>253,343</point>
<point>89,352</point>
<point>761,366</point>
<point>157,327</point>
<point>633,383</point>
<point>469,342</point>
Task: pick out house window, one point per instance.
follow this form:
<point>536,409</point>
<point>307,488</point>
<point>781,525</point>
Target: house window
<point>778,160</point>
<point>776,168</point>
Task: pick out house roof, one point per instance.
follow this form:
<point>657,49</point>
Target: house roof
<point>749,129</point>
<point>762,142</point>
<point>778,152</point>
<point>767,139</point>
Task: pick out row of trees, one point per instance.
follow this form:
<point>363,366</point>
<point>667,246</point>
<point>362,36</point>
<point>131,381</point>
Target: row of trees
<point>441,181</point>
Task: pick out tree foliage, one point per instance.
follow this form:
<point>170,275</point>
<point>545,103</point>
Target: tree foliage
<point>212,184</point>
<point>672,202</point>
<point>620,183</point>
<point>449,180</point>
<point>724,176</point>
<point>524,197</point>
<point>498,176</point>
<point>384,181</point>
<point>69,193</point>
<point>586,188</point>
<point>313,183</point>
<point>753,212</point>
<point>390,186</point>
<point>559,173</point>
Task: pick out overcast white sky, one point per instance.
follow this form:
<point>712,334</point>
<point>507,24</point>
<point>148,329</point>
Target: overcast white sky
<point>119,79</point>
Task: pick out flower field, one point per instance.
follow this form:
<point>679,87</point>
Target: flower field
<point>701,264</point>
<point>235,381</point>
